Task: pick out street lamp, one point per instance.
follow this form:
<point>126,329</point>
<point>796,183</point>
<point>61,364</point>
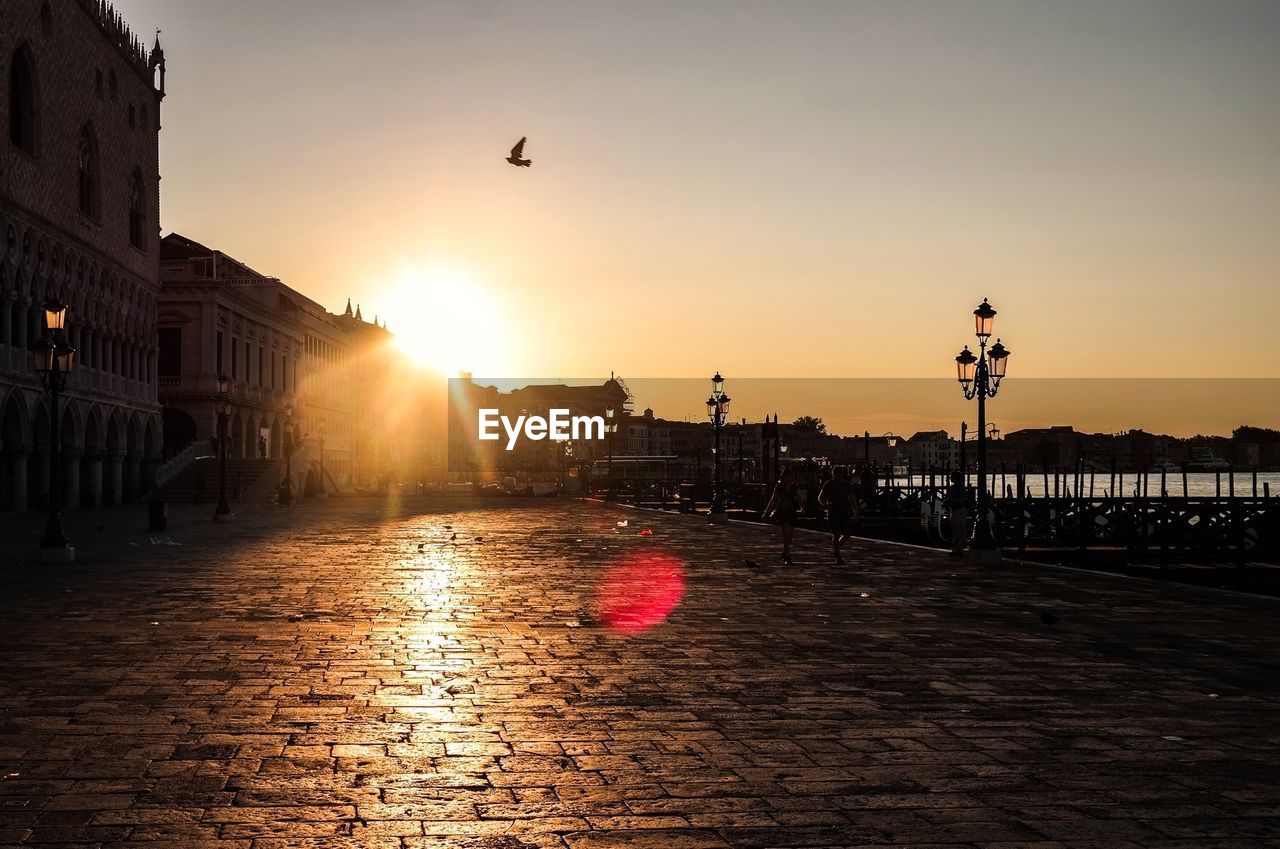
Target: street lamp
<point>717,412</point>
<point>54,359</point>
<point>610,427</point>
<point>980,377</point>
<point>222,512</point>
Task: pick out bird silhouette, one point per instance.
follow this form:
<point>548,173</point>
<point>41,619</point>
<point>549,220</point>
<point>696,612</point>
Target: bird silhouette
<point>517,154</point>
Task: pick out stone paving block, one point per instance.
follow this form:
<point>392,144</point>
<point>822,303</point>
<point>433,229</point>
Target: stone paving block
<point>313,679</point>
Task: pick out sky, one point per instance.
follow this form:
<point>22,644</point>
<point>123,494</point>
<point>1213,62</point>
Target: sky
<point>790,189</point>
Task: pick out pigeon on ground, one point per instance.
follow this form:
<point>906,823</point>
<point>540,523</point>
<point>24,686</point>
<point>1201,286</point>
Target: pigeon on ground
<point>517,154</point>
<point>454,537</point>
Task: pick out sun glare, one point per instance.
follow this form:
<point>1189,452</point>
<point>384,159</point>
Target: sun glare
<point>447,322</point>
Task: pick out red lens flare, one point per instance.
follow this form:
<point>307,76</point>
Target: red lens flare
<point>640,591</point>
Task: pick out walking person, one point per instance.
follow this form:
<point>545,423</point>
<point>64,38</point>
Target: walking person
<point>957,503</point>
<point>838,500</point>
<point>783,507</point>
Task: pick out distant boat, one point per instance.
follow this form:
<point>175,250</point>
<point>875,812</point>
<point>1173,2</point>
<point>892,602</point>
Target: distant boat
<point>1207,462</point>
<point>1166,466</point>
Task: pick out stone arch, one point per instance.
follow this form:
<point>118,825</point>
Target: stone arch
<point>179,430</point>
<point>235,436</point>
<point>275,447</point>
<point>15,447</point>
<point>250,436</point>
<point>133,457</point>
<point>91,458</point>
<point>150,438</point>
<point>38,458</point>
<point>70,429</point>
<point>113,471</point>
<point>71,438</point>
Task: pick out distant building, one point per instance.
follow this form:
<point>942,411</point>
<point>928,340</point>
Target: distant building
<point>282,351</point>
<point>932,449</point>
<point>472,459</point>
<point>79,219</point>
<point>1045,447</point>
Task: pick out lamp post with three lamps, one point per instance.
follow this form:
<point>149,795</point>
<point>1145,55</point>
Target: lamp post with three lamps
<point>54,359</point>
<point>610,427</point>
<point>717,412</point>
<point>980,378</point>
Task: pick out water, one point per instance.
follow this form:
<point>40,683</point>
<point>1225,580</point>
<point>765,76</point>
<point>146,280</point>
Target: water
<point>1199,484</point>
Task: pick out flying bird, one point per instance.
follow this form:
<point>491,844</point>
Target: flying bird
<point>517,154</point>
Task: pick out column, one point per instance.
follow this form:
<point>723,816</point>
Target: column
<point>18,479</point>
<point>95,479</point>
<point>115,478</point>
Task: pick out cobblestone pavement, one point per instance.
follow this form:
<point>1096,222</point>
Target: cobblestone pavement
<point>346,674</point>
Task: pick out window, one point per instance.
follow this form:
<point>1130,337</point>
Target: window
<point>219,353</point>
<point>170,364</point>
<point>24,103</point>
<point>133,116</point>
<point>46,19</point>
<point>111,83</point>
<point>235,356</point>
<point>88,174</point>
<point>261,358</point>
<point>137,213</point>
<point>97,83</point>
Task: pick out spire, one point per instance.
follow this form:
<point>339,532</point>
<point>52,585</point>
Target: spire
<point>358,316</point>
<point>348,310</point>
<point>157,62</point>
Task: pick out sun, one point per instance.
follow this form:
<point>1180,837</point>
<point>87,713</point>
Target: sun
<point>448,322</point>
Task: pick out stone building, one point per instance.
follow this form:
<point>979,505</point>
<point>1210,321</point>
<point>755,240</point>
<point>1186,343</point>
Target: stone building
<point>283,353</point>
<point>79,208</point>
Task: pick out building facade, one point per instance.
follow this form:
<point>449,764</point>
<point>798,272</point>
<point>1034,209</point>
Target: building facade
<point>79,213</point>
<point>293,367</point>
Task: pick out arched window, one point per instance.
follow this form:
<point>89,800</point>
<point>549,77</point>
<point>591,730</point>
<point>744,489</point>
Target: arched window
<point>89,180</point>
<point>137,212</point>
<point>24,103</point>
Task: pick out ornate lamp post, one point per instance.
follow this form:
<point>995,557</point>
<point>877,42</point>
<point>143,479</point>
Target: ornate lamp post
<point>610,427</point>
<point>222,512</point>
<point>980,378</point>
<point>54,359</point>
<point>717,412</point>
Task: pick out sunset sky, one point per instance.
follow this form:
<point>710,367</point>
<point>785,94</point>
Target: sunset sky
<point>771,189</point>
